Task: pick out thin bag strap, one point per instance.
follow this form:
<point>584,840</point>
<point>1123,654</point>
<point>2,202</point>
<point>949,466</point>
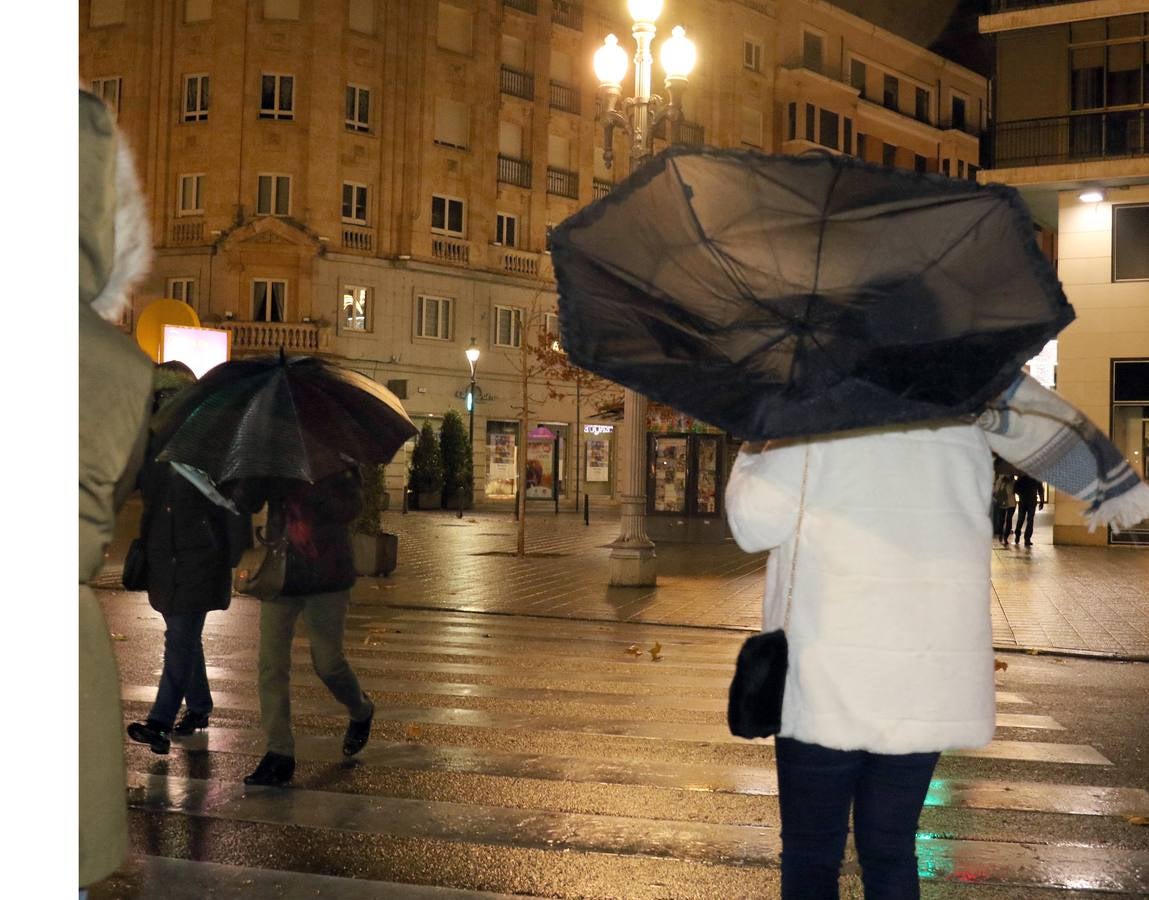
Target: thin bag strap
<point>797,534</point>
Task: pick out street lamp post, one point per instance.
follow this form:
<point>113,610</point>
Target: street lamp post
<point>632,557</point>
<point>473,360</point>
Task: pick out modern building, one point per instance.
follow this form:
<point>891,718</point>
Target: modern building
<point>376,180</point>
<point>1078,150</point>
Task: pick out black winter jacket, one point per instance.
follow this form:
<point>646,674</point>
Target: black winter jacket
<point>191,542</point>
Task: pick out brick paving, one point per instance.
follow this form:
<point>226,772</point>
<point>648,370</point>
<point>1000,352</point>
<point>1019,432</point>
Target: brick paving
<point>1090,600</point>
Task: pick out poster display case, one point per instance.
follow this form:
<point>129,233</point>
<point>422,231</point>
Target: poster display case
<point>685,481</point>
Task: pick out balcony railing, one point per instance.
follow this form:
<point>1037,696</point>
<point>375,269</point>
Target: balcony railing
<point>683,132</point>
<point>527,6</point>
<point>515,171</point>
<point>568,14</point>
<point>458,252</point>
<point>562,183</point>
<point>996,6</point>
<point>357,239</point>
<point>517,262</point>
<point>268,337</point>
<point>601,188</point>
<point>187,232</point>
<point>516,83</point>
<point>1077,138</point>
<point>565,97</point>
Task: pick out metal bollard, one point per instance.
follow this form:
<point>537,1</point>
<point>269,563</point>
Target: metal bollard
<point>516,506</point>
<point>556,502</point>
<point>406,495</point>
<point>460,515</point>
<point>586,509</point>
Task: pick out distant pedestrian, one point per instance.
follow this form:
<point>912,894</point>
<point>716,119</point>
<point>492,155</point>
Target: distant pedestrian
<point>1030,498</point>
<point>115,385</point>
<point>191,545</point>
<point>1004,502</point>
<point>316,520</point>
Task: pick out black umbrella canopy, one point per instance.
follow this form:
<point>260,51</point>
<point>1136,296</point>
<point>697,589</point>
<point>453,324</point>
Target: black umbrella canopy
<point>778,296</point>
<point>281,417</point>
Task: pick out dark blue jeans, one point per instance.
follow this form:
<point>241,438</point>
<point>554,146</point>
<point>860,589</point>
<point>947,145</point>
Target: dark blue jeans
<point>816,787</point>
<point>185,675</point>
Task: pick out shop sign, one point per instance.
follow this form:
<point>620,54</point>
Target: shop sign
<point>597,429</point>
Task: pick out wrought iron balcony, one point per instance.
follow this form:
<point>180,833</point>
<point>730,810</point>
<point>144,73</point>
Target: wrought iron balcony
<point>1076,138</point>
<point>562,183</point>
<point>516,83</point>
<point>601,188</point>
<point>528,6</point>
<point>690,133</point>
<point>568,14</point>
<point>515,171</point>
<point>565,97</point>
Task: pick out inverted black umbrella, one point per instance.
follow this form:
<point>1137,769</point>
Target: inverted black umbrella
<point>281,417</point>
<point>779,296</point>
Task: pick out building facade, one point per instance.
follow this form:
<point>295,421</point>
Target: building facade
<point>1078,150</point>
<point>376,180</point>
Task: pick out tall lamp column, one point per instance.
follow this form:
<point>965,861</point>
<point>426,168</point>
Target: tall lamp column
<point>632,557</point>
<point>473,361</point>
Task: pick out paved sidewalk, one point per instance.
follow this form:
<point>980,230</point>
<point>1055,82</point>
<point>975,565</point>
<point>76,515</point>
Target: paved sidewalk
<point>1057,599</point>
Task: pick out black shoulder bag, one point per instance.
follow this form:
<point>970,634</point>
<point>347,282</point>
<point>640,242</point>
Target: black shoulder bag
<point>754,708</point>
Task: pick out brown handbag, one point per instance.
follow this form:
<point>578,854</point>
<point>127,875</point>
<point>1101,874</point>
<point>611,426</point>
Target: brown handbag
<point>262,569</point>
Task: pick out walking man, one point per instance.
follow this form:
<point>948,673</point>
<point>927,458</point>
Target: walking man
<point>1030,496</point>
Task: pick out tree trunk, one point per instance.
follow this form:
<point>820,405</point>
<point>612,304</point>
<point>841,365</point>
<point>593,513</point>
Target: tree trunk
<point>521,475</point>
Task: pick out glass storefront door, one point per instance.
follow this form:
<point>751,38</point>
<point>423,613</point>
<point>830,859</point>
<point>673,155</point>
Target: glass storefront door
<point>1129,420</point>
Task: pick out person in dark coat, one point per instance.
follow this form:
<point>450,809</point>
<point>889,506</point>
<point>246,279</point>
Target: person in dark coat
<point>1004,502</point>
<point>192,544</point>
<point>320,570</point>
<point>1030,497</point>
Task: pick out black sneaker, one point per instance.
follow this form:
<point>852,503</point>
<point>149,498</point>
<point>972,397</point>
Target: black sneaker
<point>153,734</point>
<point>190,723</point>
<point>357,734</point>
<point>274,770</point>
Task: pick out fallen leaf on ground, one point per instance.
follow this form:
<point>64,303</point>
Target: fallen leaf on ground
<point>634,650</point>
<point>119,637</point>
<point>413,732</point>
<point>1033,651</point>
<point>999,666</point>
<point>375,636</point>
<point>656,652</point>
<point>1137,820</point>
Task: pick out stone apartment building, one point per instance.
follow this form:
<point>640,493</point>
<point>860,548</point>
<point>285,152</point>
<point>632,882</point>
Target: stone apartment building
<point>376,180</point>
<point>1071,132</point>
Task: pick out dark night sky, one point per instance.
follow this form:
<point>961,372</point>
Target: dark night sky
<point>948,27</point>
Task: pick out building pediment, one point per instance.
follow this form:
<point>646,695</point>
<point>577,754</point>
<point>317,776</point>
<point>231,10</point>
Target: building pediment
<point>272,230</point>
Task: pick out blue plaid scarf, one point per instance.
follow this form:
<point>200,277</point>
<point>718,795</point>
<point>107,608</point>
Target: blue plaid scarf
<point>1054,442</point>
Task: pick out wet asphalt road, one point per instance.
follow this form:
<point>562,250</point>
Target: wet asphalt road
<point>527,756</point>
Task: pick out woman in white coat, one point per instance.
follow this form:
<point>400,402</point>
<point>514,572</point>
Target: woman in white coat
<point>880,545</point>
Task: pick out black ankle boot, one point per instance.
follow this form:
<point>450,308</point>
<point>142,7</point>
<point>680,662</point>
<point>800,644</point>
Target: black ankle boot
<point>153,734</point>
<point>190,723</point>
<point>357,734</point>
<point>274,770</point>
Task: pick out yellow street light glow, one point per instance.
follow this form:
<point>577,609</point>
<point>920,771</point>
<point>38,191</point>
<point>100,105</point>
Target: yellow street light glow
<point>645,11</point>
<point>610,63</point>
<point>678,54</point>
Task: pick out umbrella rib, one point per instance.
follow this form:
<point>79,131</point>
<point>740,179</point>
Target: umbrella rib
<point>799,345</point>
<point>724,264</point>
<point>953,246</point>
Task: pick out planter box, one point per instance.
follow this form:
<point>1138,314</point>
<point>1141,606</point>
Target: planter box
<point>426,499</point>
<point>375,554</point>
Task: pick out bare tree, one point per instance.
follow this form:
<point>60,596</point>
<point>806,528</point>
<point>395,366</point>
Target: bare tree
<point>561,378</point>
<point>528,365</point>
